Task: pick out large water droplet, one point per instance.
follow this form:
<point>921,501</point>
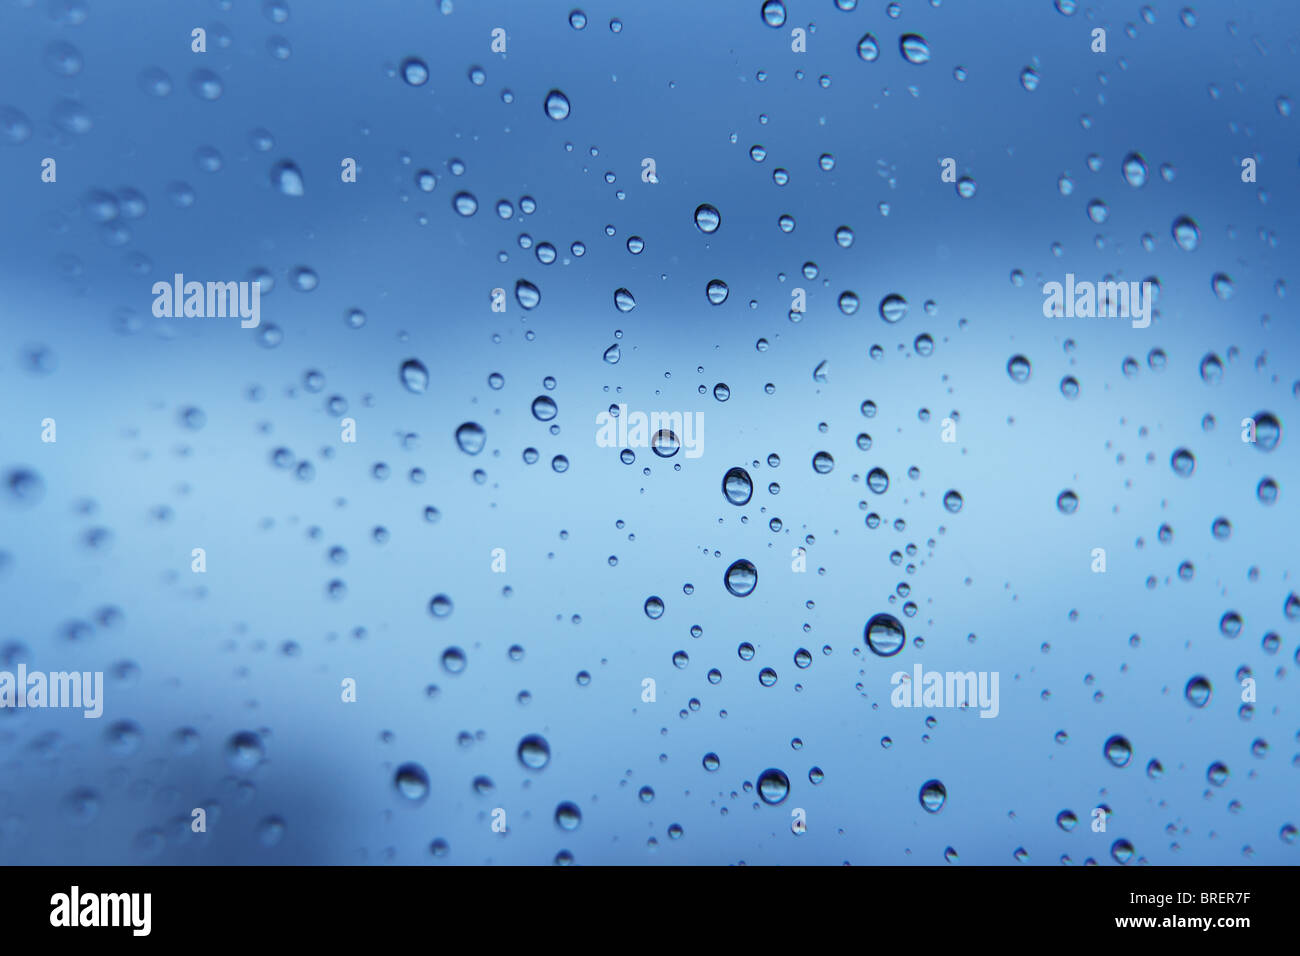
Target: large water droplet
<point>737,486</point>
<point>773,786</point>
<point>414,72</point>
<point>415,376</point>
<point>1118,750</point>
<point>933,796</point>
<point>244,751</point>
<point>544,408</point>
<point>527,295</point>
<point>741,578</point>
<point>534,752</point>
<point>1268,431</point>
<point>914,48</point>
<point>893,308</point>
<point>557,105</point>
<point>707,218</point>
<point>25,487</point>
<point>868,48</point>
<point>411,782</point>
<point>774,13</point>
<point>568,816</point>
<point>1186,233</point>
<point>1135,170</point>
<point>287,178</point>
<point>471,437</point>
<point>1198,691</point>
<point>884,635</point>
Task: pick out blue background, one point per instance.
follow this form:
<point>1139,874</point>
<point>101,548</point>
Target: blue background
<point>95,566</point>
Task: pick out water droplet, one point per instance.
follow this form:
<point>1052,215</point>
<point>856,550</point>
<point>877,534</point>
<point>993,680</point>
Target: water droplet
<point>665,443</point>
<point>1122,851</point>
<point>737,486</point>
<point>1118,751</point>
<point>544,408</point>
<point>568,816</point>
<point>654,607</point>
<point>1029,79</point>
<point>1183,463</point>
<point>206,85</point>
<point>741,578</point>
<point>1067,502</point>
<point>415,376</point>
<point>717,291</point>
<point>527,295</point>
<point>953,501</point>
<point>1198,691</point>
<point>25,486</point>
<point>774,13</point>
<point>623,300</point>
<point>471,438</point>
<point>411,782</point>
<point>878,480</point>
<point>414,72</point>
<point>884,635</point>
<point>893,308</point>
<point>1135,170</point>
<point>707,218</point>
<point>453,658</point>
<point>465,203</point>
<point>914,48</point>
<point>534,752</point>
<point>1186,233</point>
<point>1018,368</point>
<point>823,463</point>
<point>773,786</point>
<point>933,796</point>
<point>244,751</point>
<point>557,105</point>
<point>1268,431</point>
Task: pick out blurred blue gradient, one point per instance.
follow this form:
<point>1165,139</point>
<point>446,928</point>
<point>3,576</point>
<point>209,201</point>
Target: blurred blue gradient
<point>167,431</point>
